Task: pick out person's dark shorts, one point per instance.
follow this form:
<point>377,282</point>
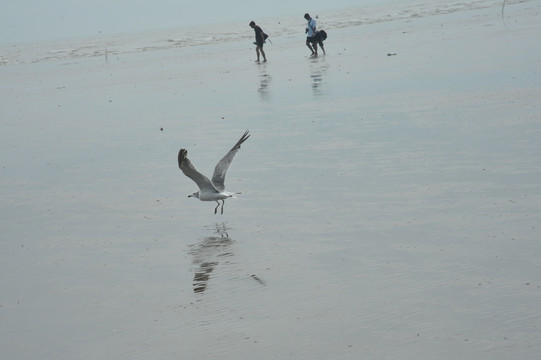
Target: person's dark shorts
<point>259,43</point>
<point>314,40</point>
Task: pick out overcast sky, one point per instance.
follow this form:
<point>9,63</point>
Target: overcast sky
<point>30,20</point>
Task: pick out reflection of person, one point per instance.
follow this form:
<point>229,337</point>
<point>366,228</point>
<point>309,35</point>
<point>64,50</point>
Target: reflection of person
<point>311,40</point>
<point>259,41</point>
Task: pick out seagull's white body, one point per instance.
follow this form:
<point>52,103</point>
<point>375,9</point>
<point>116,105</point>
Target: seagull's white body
<point>210,190</point>
<point>211,196</point>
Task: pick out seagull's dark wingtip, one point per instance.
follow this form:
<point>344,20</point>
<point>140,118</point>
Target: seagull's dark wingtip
<point>181,156</point>
<point>244,137</point>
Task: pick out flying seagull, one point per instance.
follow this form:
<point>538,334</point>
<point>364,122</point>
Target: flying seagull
<point>211,190</point>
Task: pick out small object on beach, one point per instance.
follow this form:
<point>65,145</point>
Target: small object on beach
<point>389,54</point>
<point>258,279</point>
<point>161,129</point>
<point>211,190</point>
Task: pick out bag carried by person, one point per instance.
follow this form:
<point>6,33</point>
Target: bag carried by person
<point>321,35</point>
<point>265,38</point>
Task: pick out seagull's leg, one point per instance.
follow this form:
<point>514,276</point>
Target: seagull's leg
<point>223,202</point>
<point>217,206</point>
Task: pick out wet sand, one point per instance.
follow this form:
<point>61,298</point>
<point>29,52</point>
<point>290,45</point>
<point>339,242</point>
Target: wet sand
<point>389,207</point>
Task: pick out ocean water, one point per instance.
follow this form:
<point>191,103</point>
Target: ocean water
<point>287,26</point>
<point>389,202</point>
<point>60,19</point>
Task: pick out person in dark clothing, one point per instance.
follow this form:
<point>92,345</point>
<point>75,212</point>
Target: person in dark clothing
<point>259,41</point>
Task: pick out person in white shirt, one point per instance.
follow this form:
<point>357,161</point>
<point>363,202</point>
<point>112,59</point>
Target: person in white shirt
<point>311,31</point>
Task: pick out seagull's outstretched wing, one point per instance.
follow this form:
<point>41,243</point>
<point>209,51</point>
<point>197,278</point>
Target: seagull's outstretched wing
<point>221,168</point>
<point>190,171</point>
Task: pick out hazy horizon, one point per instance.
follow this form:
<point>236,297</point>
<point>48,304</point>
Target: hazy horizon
<point>30,20</point>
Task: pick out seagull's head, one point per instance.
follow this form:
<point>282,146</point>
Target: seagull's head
<point>195,195</point>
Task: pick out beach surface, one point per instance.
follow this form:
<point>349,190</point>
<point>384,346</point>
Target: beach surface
<point>390,190</point>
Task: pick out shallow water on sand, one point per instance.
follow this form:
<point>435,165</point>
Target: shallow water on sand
<point>389,206</point>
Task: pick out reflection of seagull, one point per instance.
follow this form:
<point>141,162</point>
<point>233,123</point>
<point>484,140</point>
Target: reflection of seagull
<point>210,190</point>
<point>207,255</point>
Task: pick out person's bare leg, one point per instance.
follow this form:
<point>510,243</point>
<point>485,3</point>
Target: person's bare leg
<point>257,52</point>
<point>315,49</point>
<point>322,48</point>
<point>310,47</point>
<point>264,56</point>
